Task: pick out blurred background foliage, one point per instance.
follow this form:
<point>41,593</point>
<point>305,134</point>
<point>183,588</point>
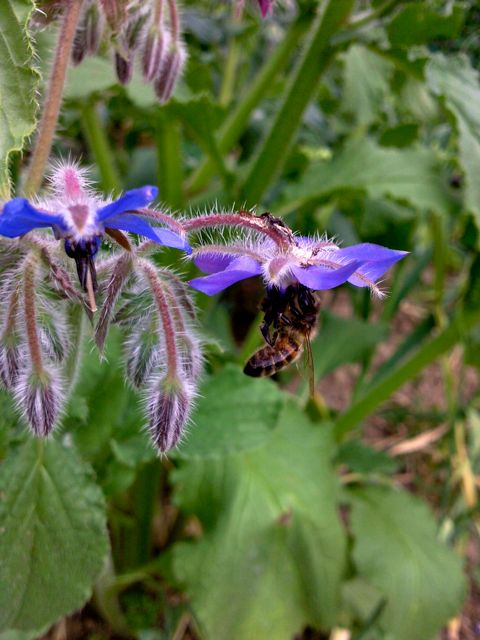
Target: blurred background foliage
<point>354,513</point>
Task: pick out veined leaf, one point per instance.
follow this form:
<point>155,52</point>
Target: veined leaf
<point>18,81</point>
<point>272,554</point>
<point>408,175</point>
<point>53,538</point>
<point>458,83</point>
<point>396,549</point>
<point>235,413</point>
<point>366,83</point>
<point>419,24</point>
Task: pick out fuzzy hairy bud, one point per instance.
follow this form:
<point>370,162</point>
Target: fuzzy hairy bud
<point>39,397</point>
<point>152,56</point>
<point>10,362</point>
<point>169,405</point>
<point>89,33</point>
<point>123,67</point>
<point>116,12</point>
<point>133,32</point>
<point>142,354</point>
<point>170,71</point>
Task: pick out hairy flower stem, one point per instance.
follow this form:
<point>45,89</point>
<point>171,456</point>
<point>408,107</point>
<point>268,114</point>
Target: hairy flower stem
<point>162,303</point>
<point>240,219</point>
<point>11,313</point>
<point>31,317</point>
<point>53,99</point>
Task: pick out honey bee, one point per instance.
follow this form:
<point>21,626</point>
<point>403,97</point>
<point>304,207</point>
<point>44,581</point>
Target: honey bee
<point>289,323</point>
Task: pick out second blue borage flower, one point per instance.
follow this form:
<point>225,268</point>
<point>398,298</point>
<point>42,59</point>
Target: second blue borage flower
<point>283,259</point>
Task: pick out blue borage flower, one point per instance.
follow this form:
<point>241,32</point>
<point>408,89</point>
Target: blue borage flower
<point>81,217</point>
<point>315,263</point>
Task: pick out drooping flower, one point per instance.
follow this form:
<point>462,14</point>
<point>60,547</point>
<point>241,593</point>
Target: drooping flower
<point>81,217</point>
<point>282,259</point>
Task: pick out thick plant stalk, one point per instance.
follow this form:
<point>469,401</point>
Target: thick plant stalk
<point>53,98</point>
<point>317,54</point>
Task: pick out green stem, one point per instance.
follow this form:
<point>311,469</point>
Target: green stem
<point>53,98</point>
<point>316,56</point>
<point>169,161</point>
<point>146,493</point>
<point>231,63</point>
<point>429,352</point>
<point>234,125</point>
<point>76,321</point>
<point>100,148</point>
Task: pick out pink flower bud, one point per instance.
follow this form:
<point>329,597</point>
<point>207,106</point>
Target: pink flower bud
<point>170,71</point>
<point>155,45</point>
<point>39,396</point>
<point>124,68</point>
<point>169,404</point>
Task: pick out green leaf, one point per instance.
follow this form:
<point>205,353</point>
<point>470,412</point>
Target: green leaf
<point>366,83</point>
<point>396,549</point>
<point>235,413</point>
<point>419,24</point>
<point>272,554</point>
<point>407,175</point>
<point>363,459</point>
<point>202,118</point>
<point>18,83</point>
<point>457,82</point>
<point>53,538</point>
<point>343,340</point>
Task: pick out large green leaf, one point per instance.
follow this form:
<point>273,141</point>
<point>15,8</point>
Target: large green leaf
<point>397,550</point>
<point>272,554</point>
<point>235,413</point>
<point>18,82</point>
<point>419,24</point>
<point>366,83</point>
<point>53,538</point>
<point>408,175</point>
<point>455,79</point>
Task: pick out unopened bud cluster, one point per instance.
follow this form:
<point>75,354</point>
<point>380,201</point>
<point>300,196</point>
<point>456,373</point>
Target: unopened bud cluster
<point>147,31</point>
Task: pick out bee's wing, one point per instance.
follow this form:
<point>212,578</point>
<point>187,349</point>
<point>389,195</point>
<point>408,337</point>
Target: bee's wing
<point>309,365</point>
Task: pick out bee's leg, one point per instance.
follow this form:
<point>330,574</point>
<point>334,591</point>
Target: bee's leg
<point>269,336</point>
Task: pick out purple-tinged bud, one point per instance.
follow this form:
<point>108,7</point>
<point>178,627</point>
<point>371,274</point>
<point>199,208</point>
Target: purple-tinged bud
<point>134,30</point>
<point>10,362</point>
<point>53,334</point>
<point>123,67</point>
<point>118,278</point>
<point>170,71</point>
<point>154,48</point>
<point>191,356</point>
<point>10,342</point>
<point>143,352</point>
<point>89,33</point>
<point>39,396</point>
<point>169,405</point>
<point>116,12</point>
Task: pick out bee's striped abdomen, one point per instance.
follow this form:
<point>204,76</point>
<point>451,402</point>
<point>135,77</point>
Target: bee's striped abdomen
<point>270,359</point>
